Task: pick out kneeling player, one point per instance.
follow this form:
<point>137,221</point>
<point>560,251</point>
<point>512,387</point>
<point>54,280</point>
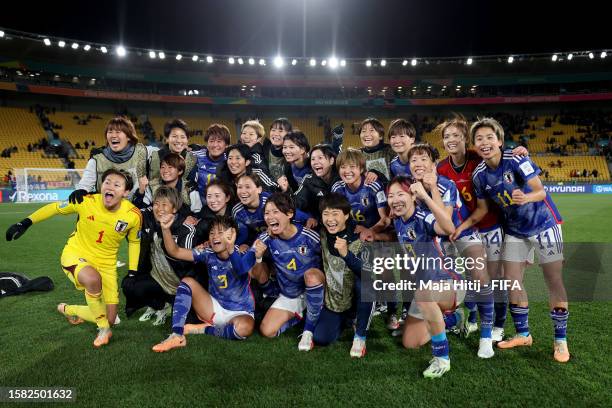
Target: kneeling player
<point>531,221</point>
<point>341,249</point>
<point>228,307</point>
<point>89,258</point>
<point>417,230</point>
<point>296,253</point>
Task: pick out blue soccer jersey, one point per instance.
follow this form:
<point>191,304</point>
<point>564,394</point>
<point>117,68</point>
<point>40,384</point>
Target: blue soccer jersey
<point>293,257</point>
<point>250,222</point>
<point>365,201</point>
<point>497,184</point>
<point>397,168</point>
<point>418,236</point>
<point>451,198</point>
<point>229,280</point>
<point>207,169</point>
<point>299,173</point>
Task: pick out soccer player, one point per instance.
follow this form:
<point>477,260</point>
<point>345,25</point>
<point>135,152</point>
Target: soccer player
<point>171,171</point>
<point>341,249</point>
<point>176,133</point>
<point>227,307</point>
<point>402,135</point>
<point>368,202</point>
<point>273,147</point>
<point>484,215</point>
<point>317,185</point>
<point>154,285</point>
<point>239,161</point>
<point>122,152</point>
<point>531,221</point>
<point>295,150</point>
<point>417,229</point>
<point>296,254</point>
<point>211,157</point>
<point>253,135</point>
<point>90,255</point>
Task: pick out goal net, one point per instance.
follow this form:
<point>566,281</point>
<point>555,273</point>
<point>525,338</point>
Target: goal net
<point>35,185</point>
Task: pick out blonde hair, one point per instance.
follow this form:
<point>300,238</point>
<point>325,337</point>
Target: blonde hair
<point>258,127</point>
<point>490,123</point>
<point>352,155</point>
<point>458,121</point>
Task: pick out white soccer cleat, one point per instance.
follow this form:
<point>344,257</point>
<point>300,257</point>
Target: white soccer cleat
<point>457,329</point>
<point>393,323</point>
<point>497,334</point>
<point>437,367</point>
<point>162,315</point>
<point>485,349</point>
<point>148,314</point>
<point>103,337</point>
<point>469,328</point>
<point>306,342</point>
<point>359,348</point>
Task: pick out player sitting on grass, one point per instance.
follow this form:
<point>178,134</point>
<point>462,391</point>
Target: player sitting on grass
<point>296,254</point>
<point>89,258</point>
<point>227,307</point>
<point>417,229</point>
<point>531,221</point>
<point>341,249</point>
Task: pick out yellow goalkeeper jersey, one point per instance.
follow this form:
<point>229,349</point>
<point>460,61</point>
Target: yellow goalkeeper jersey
<point>99,232</point>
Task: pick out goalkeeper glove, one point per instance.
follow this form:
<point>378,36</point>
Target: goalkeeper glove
<point>76,197</point>
<point>17,230</point>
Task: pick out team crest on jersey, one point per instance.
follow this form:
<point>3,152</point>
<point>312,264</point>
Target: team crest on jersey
<point>121,226</point>
<point>508,177</point>
<point>365,201</point>
<point>302,250</point>
<point>411,234</point>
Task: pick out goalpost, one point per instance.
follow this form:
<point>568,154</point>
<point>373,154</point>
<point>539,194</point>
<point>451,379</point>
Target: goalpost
<point>40,185</point>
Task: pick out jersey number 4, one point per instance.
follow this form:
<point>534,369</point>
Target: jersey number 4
<point>292,265</point>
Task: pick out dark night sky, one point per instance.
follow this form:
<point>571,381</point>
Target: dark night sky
<point>353,28</point>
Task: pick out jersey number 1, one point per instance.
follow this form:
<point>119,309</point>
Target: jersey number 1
<point>100,235</point>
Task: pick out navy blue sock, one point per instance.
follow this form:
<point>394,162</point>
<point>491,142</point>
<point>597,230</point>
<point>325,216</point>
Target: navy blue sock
<point>439,345</point>
<point>485,309</point>
<point>520,316</point>
<point>270,288</point>
<point>471,307</point>
<point>314,304</point>
<point>226,332</point>
<point>559,316</point>
<point>287,325</point>
<point>451,319</point>
<point>182,304</point>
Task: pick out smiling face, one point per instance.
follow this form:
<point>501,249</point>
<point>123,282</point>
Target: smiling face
<point>350,173</point>
<point>215,238</point>
<point>277,133</point>
<point>486,143</point>
<point>334,220</point>
<point>453,140</point>
<point>169,173</point>
<point>320,164</point>
<point>216,199</point>
<point>248,192</point>
<point>400,201</point>
<point>369,136</point>
<point>177,140</point>
<point>401,143</point>
<point>162,206</point>
<point>117,140</point>
<point>236,163</point>
<point>113,191</point>
<point>292,152</point>
<point>216,146</point>
<point>276,220</point>
<point>421,164</point>
<point>249,136</point>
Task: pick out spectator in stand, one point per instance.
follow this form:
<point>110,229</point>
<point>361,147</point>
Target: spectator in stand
<point>595,173</point>
<point>585,173</point>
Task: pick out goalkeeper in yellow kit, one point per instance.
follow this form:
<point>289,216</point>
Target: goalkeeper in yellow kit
<point>90,255</point>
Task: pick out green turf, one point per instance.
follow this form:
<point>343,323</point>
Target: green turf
<point>39,348</point>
